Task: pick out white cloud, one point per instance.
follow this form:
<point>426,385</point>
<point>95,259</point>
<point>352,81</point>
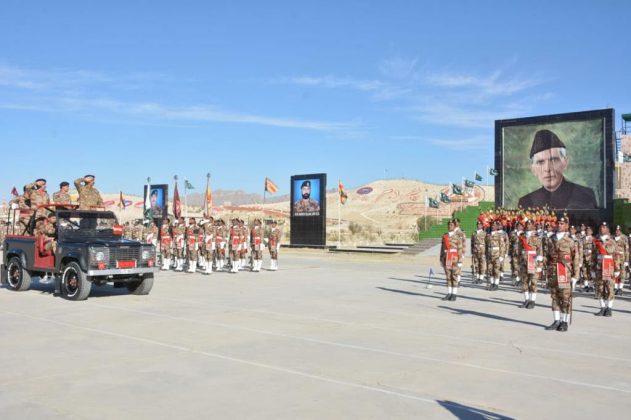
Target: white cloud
<point>459,144</point>
<point>152,110</point>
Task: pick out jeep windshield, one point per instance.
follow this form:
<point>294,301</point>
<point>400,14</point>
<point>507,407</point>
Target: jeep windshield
<point>85,225</point>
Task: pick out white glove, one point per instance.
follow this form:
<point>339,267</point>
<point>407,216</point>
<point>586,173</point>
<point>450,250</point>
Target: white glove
<point>266,240</point>
<point>574,281</point>
<point>539,270</point>
<point>539,258</point>
<point>616,273</point>
<point>14,206</point>
<point>459,264</point>
<point>501,259</point>
<point>626,263</point>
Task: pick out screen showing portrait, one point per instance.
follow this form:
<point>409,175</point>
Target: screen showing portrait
<point>158,199</point>
<point>308,210</point>
<point>306,197</point>
<point>562,162</point>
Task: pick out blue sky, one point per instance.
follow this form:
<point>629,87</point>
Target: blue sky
<point>245,90</point>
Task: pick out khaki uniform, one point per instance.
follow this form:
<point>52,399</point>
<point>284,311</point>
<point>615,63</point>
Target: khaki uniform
<point>89,197</point>
<point>514,253</point>
<point>605,281</point>
<point>451,255</point>
<point>192,243</point>
<point>166,242</point>
<point>495,252</point>
<point>478,254</point>
<point>38,198</point>
<point>136,232</point>
<point>587,244</point>
<point>530,250</point>
<point>48,230</point>
<point>61,197</point>
<point>273,243</point>
<point>561,250</point>
<point>622,256</point>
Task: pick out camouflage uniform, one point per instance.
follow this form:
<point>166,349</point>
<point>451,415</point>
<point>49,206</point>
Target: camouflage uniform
<point>495,252</point>
<point>23,205</point>
<point>39,197</point>
<point>561,254</point>
<point>256,242</point>
<point>587,244</point>
<point>530,248</point>
<point>478,255</point>
<point>451,256</point>
<point>137,232</point>
<point>192,245</point>
<point>235,246</point>
<point>166,242</point>
<point>623,257</point>
<point>46,228</point>
<point>150,234</point>
<point>273,243</point>
<point>89,197</point>
<point>221,236</point>
<point>306,206</point>
<point>61,197</point>
<point>605,248</point>
<point>179,244</point>
<point>209,245</point>
<point>513,252</point>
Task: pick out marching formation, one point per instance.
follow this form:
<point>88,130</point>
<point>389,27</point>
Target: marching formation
<point>553,255</point>
<point>210,245</point>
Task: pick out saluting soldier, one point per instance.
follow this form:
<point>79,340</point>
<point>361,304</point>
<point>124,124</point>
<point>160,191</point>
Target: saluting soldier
<point>530,249</point>
<point>607,268</point>
<point>495,251</point>
<point>166,242</point>
<point>478,253</point>
<point>623,257</point>
<point>62,196</point>
<point>22,204</point>
<point>256,243</point>
<point>39,196</point>
<point>562,256</point>
<point>273,243</point>
<point>89,197</point>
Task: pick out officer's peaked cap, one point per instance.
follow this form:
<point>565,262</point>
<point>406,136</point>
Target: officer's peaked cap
<point>305,184</point>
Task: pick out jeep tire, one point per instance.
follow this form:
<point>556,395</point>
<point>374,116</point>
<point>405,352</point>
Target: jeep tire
<point>74,282</point>
<point>18,278</point>
<point>141,287</point>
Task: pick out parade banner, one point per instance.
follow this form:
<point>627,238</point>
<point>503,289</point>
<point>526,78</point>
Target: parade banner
<point>563,162</point>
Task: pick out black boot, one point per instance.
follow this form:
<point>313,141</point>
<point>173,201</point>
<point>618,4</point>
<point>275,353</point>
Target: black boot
<point>562,327</point>
<point>446,297</point>
<point>601,312</point>
<point>618,292</point>
<point>607,312</point>
<point>525,304</point>
<point>553,326</point>
<point>453,297</point>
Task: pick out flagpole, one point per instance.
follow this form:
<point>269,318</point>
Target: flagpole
<point>265,190</point>
<point>339,215</point>
<point>463,195</point>
<point>185,200</point>
<point>488,174</point>
<point>425,213</point>
<point>208,210</point>
<point>175,184</point>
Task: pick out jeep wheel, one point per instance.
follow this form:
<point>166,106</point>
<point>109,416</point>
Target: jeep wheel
<point>141,287</point>
<point>18,278</point>
<point>74,284</point>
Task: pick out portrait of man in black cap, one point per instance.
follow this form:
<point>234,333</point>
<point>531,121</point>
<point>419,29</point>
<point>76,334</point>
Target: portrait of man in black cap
<point>306,206</point>
<point>548,161</point>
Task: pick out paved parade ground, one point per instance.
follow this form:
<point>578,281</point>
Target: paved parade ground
<point>325,337</point>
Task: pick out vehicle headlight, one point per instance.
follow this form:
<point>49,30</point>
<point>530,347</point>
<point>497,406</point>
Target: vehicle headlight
<point>146,253</point>
<point>99,256</point>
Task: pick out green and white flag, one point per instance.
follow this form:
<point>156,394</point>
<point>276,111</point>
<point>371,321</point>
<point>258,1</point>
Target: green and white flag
<point>444,198</point>
<point>432,203</point>
<point>469,184</point>
<point>188,185</point>
<point>148,213</point>
<point>493,172</point>
<point>478,178</point>
<point>457,189</point>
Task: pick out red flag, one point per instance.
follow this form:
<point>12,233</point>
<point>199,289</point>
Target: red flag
<point>270,187</point>
<point>342,191</point>
<point>177,205</point>
<point>14,191</point>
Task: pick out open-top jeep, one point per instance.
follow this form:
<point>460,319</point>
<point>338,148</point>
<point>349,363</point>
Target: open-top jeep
<point>90,249</point>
